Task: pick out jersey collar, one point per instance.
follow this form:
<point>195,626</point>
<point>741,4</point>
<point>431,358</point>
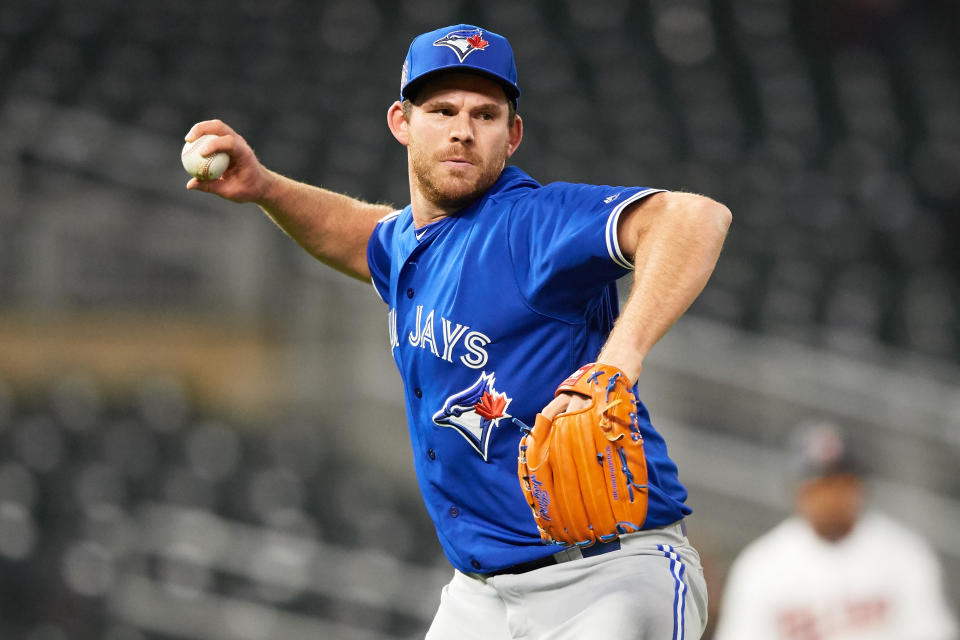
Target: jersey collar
<point>511,179</point>
<point>427,231</point>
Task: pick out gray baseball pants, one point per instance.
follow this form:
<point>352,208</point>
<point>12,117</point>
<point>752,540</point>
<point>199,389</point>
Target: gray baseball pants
<point>652,588</point>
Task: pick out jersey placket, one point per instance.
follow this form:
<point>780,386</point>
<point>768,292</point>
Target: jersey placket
<point>404,298</point>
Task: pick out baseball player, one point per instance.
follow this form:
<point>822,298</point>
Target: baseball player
<point>833,572</point>
<point>497,288</point>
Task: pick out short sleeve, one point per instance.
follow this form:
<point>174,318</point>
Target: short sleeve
<point>563,242</point>
<point>378,254</point>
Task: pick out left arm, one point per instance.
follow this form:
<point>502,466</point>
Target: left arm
<point>675,241</point>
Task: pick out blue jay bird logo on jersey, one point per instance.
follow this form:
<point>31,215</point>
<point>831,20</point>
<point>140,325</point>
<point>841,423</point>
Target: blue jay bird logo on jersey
<point>474,412</point>
<point>463,42</point>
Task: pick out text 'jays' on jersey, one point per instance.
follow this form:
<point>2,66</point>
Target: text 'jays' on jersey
<point>489,310</point>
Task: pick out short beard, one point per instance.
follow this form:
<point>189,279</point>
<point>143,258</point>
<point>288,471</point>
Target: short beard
<point>451,197</point>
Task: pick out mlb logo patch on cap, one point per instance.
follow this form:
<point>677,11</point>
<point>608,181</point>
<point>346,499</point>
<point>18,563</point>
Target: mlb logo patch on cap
<point>460,47</point>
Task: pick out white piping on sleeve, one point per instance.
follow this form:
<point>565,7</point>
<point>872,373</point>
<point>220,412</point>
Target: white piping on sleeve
<point>392,214</point>
<point>613,245</point>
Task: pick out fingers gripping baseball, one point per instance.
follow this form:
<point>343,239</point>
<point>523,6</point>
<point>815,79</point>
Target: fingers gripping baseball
<point>245,179</point>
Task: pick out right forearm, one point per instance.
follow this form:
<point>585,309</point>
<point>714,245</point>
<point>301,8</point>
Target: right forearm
<point>332,227</point>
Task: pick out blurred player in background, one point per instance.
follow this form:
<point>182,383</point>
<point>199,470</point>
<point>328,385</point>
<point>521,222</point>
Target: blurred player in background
<point>834,571</point>
<point>497,288</point>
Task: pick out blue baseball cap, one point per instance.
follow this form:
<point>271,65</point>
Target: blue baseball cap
<point>460,47</point>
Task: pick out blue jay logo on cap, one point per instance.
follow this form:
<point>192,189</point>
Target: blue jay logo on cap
<point>463,42</point>
<point>474,412</point>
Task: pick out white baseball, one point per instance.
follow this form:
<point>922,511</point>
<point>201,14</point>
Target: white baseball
<point>201,167</point>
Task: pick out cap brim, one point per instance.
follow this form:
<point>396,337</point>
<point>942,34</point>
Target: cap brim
<point>410,89</point>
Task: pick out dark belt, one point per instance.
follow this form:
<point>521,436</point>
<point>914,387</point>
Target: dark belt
<point>567,555</point>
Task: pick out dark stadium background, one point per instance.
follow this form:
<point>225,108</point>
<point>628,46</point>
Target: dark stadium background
<point>201,432</point>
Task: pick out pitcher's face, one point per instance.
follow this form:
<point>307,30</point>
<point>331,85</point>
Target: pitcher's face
<point>459,138</point>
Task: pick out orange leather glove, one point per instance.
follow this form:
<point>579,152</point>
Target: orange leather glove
<point>584,473</point>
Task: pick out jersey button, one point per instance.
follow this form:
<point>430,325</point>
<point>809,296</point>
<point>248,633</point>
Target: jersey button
<point>454,512</point>
<point>417,392</point>
<point>431,454</point>
<point>475,564</point>
<point>410,293</point>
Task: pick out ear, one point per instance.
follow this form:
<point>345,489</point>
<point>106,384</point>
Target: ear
<point>515,136</point>
<point>397,122</point>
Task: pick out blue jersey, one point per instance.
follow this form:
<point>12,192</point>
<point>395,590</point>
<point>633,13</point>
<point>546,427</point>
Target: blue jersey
<point>489,310</point>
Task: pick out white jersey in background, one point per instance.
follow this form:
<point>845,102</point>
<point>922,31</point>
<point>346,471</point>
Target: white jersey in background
<point>881,582</point>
